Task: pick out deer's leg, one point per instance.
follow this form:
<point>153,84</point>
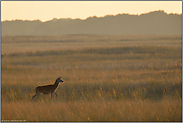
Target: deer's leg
<point>34,96</point>
<point>55,94</point>
<point>51,95</point>
<point>38,95</point>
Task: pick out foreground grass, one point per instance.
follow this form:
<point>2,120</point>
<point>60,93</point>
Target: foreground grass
<point>135,79</point>
<point>126,110</point>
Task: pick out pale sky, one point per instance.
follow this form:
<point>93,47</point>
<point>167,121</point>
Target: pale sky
<point>47,10</point>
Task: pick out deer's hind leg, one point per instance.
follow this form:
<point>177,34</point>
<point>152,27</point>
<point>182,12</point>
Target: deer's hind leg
<point>37,94</point>
<point>34,96</point>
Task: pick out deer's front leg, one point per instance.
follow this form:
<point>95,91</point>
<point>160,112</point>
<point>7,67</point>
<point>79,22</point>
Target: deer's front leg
<point>55,94</point>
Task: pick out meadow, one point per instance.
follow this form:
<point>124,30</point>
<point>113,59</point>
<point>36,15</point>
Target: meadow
<point>106,77</point>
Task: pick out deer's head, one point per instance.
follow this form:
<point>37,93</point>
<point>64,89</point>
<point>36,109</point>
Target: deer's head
<point>59,79</point>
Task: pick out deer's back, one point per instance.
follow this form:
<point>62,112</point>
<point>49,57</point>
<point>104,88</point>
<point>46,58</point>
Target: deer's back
<point>45,89</point>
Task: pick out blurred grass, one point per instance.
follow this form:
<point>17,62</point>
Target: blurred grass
<point>125,110</point>
<point>114,78</point>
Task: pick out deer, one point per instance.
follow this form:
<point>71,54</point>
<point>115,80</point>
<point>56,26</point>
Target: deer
<point>47,89</point>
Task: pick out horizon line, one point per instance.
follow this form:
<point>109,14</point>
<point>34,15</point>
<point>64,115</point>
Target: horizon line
<point>93,16</point>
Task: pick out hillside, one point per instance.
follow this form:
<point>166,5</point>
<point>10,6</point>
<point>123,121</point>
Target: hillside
<point>156,22</point>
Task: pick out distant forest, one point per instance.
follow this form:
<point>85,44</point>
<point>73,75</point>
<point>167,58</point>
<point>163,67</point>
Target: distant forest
<point>156,22</point>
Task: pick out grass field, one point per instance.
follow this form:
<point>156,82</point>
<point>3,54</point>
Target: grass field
<point>106,78</point>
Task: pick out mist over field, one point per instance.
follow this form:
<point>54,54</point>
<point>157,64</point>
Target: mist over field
<point>106,77</point>
<point>155,22</point>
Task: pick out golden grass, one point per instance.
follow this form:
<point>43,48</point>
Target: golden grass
<point>107,78</point>
<point>125,110</point>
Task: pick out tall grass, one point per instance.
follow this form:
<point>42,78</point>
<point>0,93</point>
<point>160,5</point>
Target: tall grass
<point>119,82</point>
<point>124,110</point>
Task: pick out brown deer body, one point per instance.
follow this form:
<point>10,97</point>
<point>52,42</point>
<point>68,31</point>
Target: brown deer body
<point>47,89</point>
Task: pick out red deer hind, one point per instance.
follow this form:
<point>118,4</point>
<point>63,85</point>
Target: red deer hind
<point>47,89</point>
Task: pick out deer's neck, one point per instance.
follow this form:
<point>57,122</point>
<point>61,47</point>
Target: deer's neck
<point>56,84</point>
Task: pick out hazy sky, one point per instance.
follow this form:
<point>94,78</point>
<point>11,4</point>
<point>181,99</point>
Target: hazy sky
<point>47,10</point>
